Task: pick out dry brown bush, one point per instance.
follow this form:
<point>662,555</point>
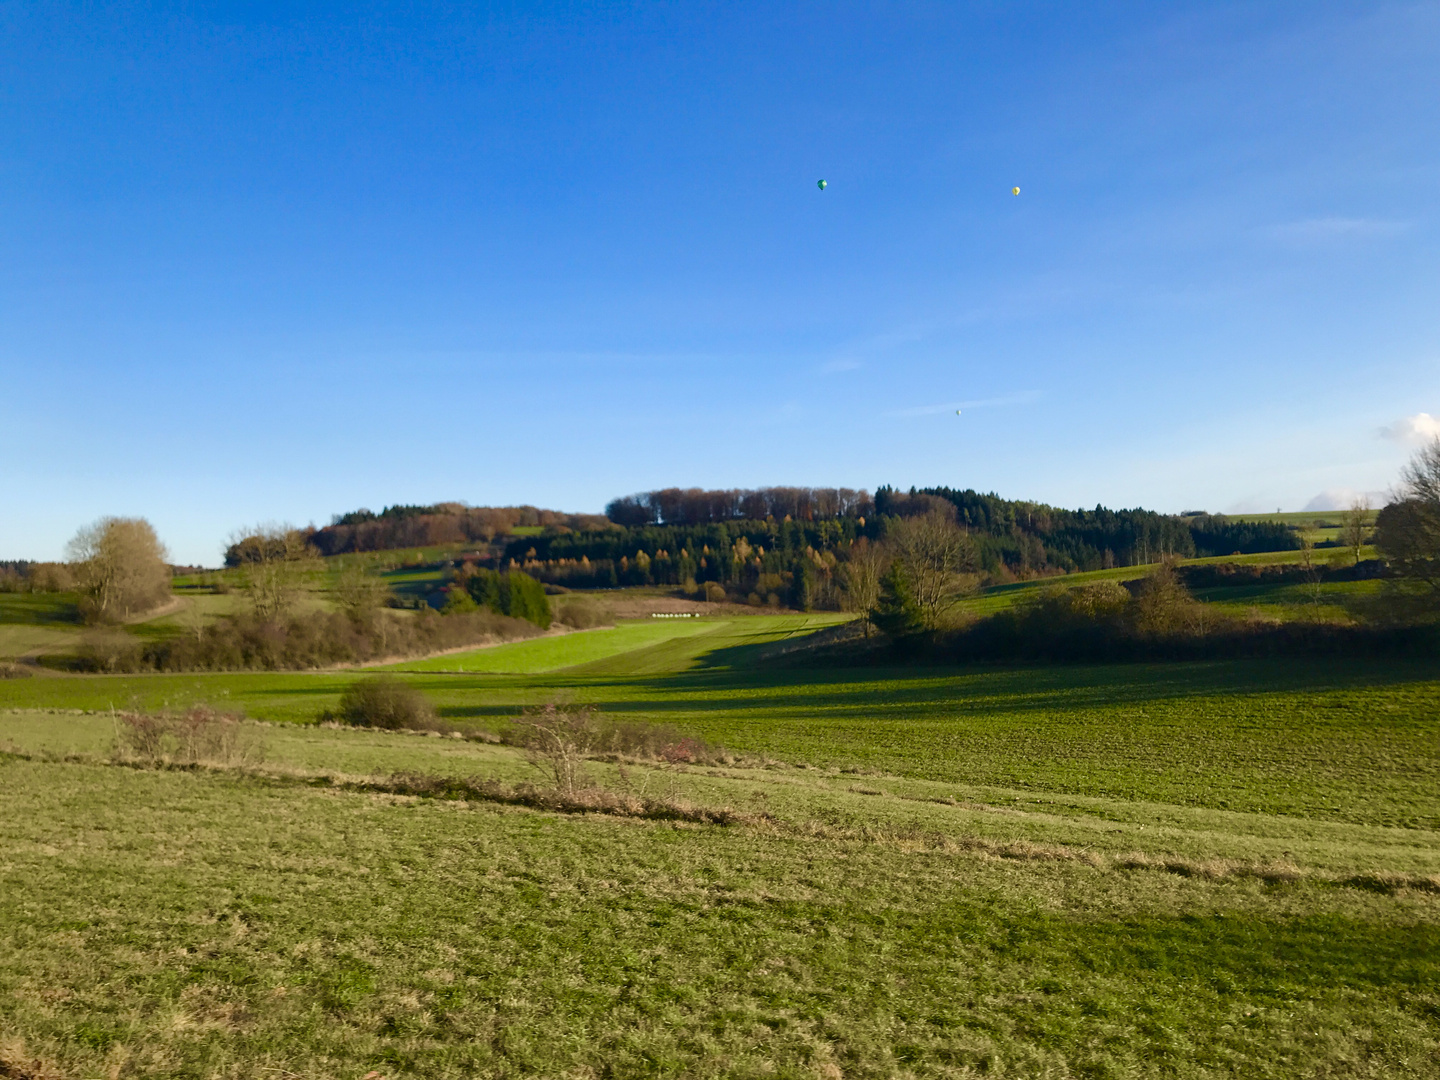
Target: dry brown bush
<point>109,650</point>
<point>198,736</point>
<point>585,614</point>
<point>557,739</point>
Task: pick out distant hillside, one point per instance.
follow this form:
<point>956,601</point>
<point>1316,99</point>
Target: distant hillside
<point>426,526</point>
<point>784,537</point>
<point>676,536</point>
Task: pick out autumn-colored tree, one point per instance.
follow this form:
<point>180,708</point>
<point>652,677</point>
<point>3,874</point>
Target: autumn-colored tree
<point>120,569</point>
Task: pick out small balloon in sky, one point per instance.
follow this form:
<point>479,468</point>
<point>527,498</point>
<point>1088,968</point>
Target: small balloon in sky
<point>957,412</point>
<point>821,184</point>
<point>1014,191</point>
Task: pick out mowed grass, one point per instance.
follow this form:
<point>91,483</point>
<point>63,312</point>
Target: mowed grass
<point>561,651</point>
<point>1169,870</point>
<point>1342,740</point>
<point>194,923</point>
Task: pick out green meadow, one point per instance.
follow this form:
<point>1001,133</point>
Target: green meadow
<point>1173,870</point>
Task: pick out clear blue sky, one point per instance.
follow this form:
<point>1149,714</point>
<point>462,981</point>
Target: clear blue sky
<point>271,263</point>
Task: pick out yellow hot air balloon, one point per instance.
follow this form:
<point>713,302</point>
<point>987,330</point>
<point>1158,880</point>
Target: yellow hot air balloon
<point>1014,191</point>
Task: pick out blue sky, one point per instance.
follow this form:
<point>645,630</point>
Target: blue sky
<point>270,263</point>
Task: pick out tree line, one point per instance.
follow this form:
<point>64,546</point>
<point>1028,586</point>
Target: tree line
<point>1027,537</point>
<point>698,506</point>
<point>1015,539</point>
<point>429,526</point>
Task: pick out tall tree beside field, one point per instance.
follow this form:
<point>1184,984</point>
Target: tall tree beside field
<point>936,555</point>
<point>896,611</point>
<point>276,559</point>
<point>359,593</point>
<point>1355,525</point>
<point>860,577</point>
<point>120,569</point>
<point>1407,532</point>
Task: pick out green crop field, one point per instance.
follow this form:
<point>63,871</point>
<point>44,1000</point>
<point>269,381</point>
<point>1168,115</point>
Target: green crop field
<point>568,650</point>
<point>1172,870</point>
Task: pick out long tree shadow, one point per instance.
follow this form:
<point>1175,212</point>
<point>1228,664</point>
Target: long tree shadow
<point>740,685</point>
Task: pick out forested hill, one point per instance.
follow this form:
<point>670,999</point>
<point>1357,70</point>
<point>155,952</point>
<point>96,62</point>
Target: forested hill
<point>442,523</point>
<point>670,536</point>
<point>703,538</point>
<point>1026,535</point>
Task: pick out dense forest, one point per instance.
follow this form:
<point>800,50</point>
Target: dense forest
<point>782,544</point>
<point>673,537</point>
<point>1033,537</point>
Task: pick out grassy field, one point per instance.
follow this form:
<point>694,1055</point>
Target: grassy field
<point>39,625</point>
<point>1342,741</point>
<point>1201,870</point>
<point>214,924</point>
<point>569,650</point>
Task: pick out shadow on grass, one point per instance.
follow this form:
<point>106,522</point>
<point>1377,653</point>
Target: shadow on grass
<point>39,609</point>
<point>975,690</point>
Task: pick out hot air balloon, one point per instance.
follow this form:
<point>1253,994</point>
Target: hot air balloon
<point>822,185</point>
<point>1014,191</point>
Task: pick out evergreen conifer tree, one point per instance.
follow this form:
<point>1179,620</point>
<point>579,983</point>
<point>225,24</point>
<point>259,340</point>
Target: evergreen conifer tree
<point>896,612</point>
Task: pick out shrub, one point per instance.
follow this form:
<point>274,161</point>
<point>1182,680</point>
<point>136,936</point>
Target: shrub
<point>458,602</point>
<point>199,736</point>
<point>512,593</point>
<point>321,639</point>
<point>14,671</point>
<point>110,652</point>
<point>585,615</point>
<point>386,702</point>
<point>714,592</point>
<point>557,739</point>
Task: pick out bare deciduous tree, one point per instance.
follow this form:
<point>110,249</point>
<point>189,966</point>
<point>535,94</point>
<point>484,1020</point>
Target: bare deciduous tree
<point>1407,532</point>
<point>860,574</point>
<point>938,558</point>
<point>120,569</point>
<point>360,593</point>
<point>1308,565</point>
<point>1356,525</point>
<point>276,559</point>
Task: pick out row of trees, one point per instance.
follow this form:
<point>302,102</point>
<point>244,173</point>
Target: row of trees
<point>1026,537</point>
<point>441,523</point>
<point>698,506</point>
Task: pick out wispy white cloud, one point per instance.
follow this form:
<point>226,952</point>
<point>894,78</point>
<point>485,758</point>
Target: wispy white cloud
<point>1334,228</point>
<point>1344,498</point>
<point>951,406</point>
<point>1414,430</point>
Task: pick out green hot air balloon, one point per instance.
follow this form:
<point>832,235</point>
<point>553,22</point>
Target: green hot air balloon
<point>821,184</point>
